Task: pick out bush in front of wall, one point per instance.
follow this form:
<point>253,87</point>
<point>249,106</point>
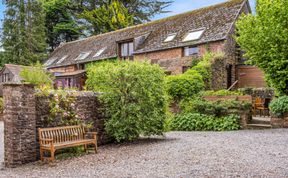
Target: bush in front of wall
<point>279,106</point>
<point>134,96</point>
<point>215,108</point>
<point>184,86</point>
<point>202,122</point>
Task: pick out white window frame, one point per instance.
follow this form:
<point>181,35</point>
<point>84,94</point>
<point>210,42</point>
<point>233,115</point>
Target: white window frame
<point>170,37</point>
<point>193,35</point>
<point>100,52</point>
<point>62,59</point>
<point>50,61</point>
<point>83,55</point>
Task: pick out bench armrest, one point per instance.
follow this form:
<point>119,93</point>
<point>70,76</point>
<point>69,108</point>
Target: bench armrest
<point>49,140</point>
<point>94,134</point>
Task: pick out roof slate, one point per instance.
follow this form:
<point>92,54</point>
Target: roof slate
<point>217,21</point>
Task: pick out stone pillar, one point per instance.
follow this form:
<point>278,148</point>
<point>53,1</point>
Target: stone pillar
<point>20,124</point>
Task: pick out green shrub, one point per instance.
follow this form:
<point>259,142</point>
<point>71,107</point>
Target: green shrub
<point>1,105</point>
<point>134,96</point>
<point>36,75</point>
<point>215,108</point>
<point>221,93</point>
<point>184,86</point>
<point>279,106</point>
<point>202,122</point>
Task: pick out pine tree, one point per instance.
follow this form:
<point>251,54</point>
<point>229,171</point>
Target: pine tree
<point>23,37</point>
<point>108,18</point>
<point>61,23</point>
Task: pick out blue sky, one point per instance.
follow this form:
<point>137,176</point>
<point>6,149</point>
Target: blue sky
<point>177,7</point>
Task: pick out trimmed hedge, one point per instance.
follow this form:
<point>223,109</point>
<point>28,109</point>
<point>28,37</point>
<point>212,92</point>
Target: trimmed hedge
<point>202,122</point>
<point>215,108</point>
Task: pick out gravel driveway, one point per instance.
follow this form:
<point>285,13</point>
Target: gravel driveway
<point>245,153</point>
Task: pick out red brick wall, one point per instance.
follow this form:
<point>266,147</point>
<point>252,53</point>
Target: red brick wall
<point>70,68</point>
<point>173,60</point>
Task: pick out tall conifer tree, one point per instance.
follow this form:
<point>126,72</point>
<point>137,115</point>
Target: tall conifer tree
<point>23,37</point>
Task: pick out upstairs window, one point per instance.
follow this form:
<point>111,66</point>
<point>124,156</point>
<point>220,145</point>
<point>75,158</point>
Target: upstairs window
<point>193,35</point>
<point>127,50</point>
<point>5,77</point>
<point>170,37</point>
<point>191,51</point>
<point>83,56</point>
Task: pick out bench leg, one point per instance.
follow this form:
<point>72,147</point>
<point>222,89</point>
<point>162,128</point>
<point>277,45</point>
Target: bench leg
<point>85,148</point>
<point>52,155</point>
<point>95,147</point>
<point>41,154</point>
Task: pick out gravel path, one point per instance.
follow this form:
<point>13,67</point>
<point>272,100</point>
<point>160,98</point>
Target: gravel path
<point>245,153</point>
<point>1,144</point>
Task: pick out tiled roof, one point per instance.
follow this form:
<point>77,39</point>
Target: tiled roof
<point>217,21</point>
<point>15,70</point>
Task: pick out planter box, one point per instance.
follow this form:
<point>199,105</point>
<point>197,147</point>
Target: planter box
<point>280,122</point>
<point>246,98</point>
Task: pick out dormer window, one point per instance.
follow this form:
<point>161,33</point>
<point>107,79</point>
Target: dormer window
<point>127,50</point>
<point>193,35</point>
<point>83,56</point>
<point>170,37</point>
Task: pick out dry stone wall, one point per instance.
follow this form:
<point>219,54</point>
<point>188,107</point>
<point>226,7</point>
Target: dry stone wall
<point>25,112</point>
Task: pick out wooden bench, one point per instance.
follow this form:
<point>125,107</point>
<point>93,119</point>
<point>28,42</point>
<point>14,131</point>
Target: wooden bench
<point>52,139</point>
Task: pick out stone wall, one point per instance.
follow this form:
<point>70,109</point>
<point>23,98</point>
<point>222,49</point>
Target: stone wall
<point>87,106</point>
<point>25,111</point>
<point>20,124</point>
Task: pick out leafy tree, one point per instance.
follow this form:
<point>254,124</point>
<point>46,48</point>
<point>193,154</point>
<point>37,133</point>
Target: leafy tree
<point>264,39</point>
<point>144,10</point>
<point>23,37</point>
<point>60,22</point>
<point>37,75</point>
<point>134,96</point>
<point>141,10</point>
<point>108,17</point>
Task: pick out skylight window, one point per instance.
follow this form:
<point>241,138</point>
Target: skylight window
<point>83,56</point>
<point>50,61</point>
<point>193,35</point>
<point>62,59</point>
<point>170,37</point>
<point>99,52</point>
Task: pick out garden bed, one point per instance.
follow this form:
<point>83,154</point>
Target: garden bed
<point>280,122</point>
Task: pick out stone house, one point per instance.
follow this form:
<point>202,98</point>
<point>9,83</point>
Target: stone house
<point>10,73</point>
<point>171,42</point>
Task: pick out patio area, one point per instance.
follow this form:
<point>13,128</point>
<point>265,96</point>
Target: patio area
<point>245,153</point>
